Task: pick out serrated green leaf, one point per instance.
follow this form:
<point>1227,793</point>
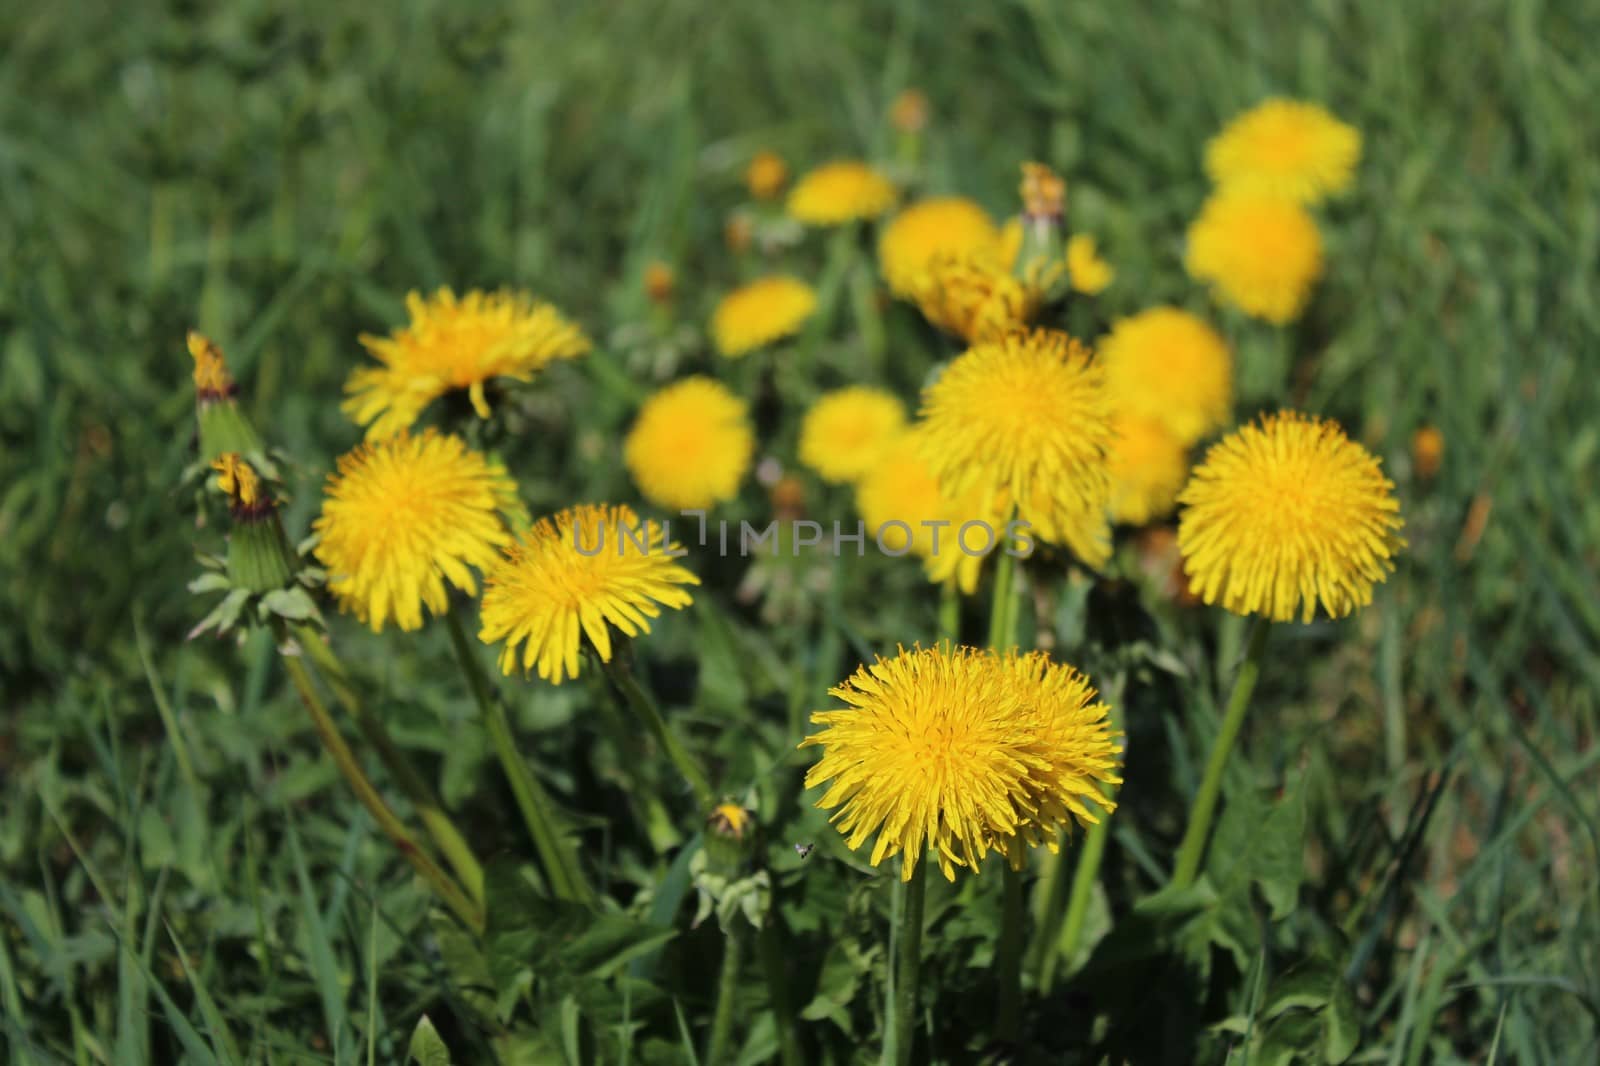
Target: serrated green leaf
<point>1341,1024</point>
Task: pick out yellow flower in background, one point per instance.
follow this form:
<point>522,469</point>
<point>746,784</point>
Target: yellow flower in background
<point>1286,514</point>
<point>930,228</point>
<point>975,297</point>
<point>960,752</point>
<point>690,446</point>
<point>1285,148</point>
<point>575,575</point>
<point>660,283</point>
<point>1026,415</point>
<point>1147,465</point>
<point>1088,273</point>
<point>1427,451</point>
<point>1260,253</point>
<point>766,175</point>
<point>1169,366</point>
<point>404,517</point>
<point>451,344</point>
<point>1072,749</point>
<point>909,112</point>
<point>900,501</point>
<point>846,429</point>
<point>843,191</point>
<point>759,313</point>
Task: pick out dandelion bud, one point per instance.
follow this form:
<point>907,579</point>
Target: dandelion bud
<point>1427,451</point>
<point>659,282</point>
<point>1044,197</point>
<point>909,112</point>
<point>223,427</point>
<point>766,175</point>
<point>259,559</point>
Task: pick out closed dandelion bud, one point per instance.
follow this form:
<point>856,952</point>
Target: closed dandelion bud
<point>223,427</point>
<point>259,559</point>
<point>766,175</point>
<point>1427,451</point>
<point>730,837</point>
<point>909,112</point>
<point>1044,200</point>
<point>659,283</point>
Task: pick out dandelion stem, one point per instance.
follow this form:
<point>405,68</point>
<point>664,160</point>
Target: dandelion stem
<point>1003,614</point>
<point>775,962</point>
<point>387,820</point>
<point>446,837</point>
<point>555,851</point>
<point>645,707</point>
<point>1008,958</point>
<point>950,612</point>
<point>727,987</point>
<point>1191,850</point>
<point>907,942</point>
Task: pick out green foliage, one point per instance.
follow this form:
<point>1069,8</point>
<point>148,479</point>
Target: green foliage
<point>1404,867</point>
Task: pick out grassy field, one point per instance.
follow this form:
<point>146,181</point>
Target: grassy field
<point>185,877</point>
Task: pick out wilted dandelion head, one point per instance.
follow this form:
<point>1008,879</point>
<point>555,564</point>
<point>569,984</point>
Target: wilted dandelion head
<point>1285,148</point>
<point>960,752</point>
<point>239,482</point>
<point>1260,253</point>
<point>976,296</point>
<point>1043,192</point>
<point>1167,365</point>
<point>766,175</point>
<point>211,378</point>
<point>451,344</point>
<point>759,313</point>
<point>406,516</point>
<point>575,575</point>
<point>928,229</point>
<point>1088,273</point>
<point>1026,416</point>
<point>690,446</point>
<point>1287,513</point>
<point>1147,465</point>
<point>845,190</point>
<point>844,432</point>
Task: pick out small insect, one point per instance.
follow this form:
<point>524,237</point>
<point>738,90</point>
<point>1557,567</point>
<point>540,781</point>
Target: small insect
<point>803,850</point>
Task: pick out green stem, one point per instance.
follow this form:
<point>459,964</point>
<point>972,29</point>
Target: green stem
<point>446,837</point>
<point>645,707</point>
<point>1003,613</point>
<point>775,962</point>
<point>392,827</point>
<point>863,303</point>
<point>717,1051</point>
<point>907,942</point>
<point>538,812</point>
<point>634,765</point>
<point>1191,850</point>
<point>1008,958</point>
<point>950,612</point>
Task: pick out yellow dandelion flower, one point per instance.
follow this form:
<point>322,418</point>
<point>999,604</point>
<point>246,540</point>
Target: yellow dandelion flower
<point>1260,253</point>
<point>959,752</point>
<point>1074,748</point>
<point>766,175</point>
<point>576,574</point>
<point>403,517</point>
<point>1010,245</point>
<point>1285,514</point>
<point>975,297</point>
<point>1169,366</point>
<point>1147,465</point>
<point>1088,272</point>
<point>730,820</point>
<point>1026,416</point>
<point>451,344</point>
<point>900,501</point>
<point>845,190</point>
<point>755,315</point>
<point>1285,148</point>
<point>844,431</point>
<point>928,229</point>
<point>690,446</point>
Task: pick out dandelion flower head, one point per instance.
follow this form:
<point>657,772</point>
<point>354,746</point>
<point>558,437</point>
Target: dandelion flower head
<point>690,445</point>
<point>1260,253</point>
<point>844,432</point>
<point>1285,148</point>
<point>759,313</point>
<point>842,191</point>
<point>1167,365</point>
<point>928,229</point>
<point>405,517</point>
<point>1285,514</point>
<point>575,575</point>
<point>1147,465</point>
<point>450,344</point>
<point>903,506</point>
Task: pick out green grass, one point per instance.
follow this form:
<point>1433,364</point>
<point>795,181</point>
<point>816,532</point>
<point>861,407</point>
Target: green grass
<point>184,876</point>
